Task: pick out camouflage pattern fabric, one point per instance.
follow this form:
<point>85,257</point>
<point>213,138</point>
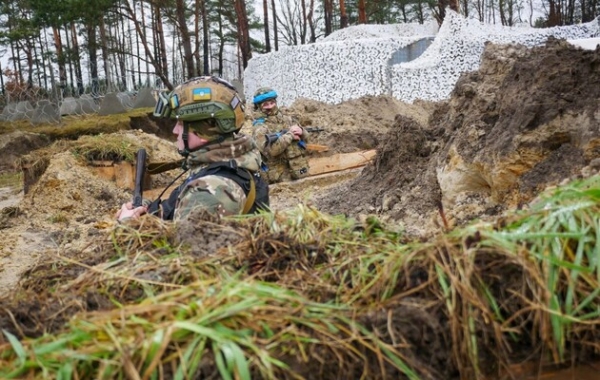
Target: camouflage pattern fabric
<point>285,159</point>
<point>213,193</point>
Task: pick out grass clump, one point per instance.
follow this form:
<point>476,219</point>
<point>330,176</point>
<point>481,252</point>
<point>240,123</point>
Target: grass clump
<point>302,294</point>
<point>11,179</point>
<point>102,147</point>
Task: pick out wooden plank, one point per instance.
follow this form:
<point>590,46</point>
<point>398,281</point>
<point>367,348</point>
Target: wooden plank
<point>341,161</point>
<point>317,148</point>
<point>124,174</point>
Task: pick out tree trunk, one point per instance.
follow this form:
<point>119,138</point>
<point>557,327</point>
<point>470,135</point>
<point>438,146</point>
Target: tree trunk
<point>243,37</point>
<point>70,61</point>
<point>205,43</point>
<point>185,40</point>
<point>362,12</point>
<point>303,24</point>
<point>104,49</point>
<point>328,15</point>
<point>141,33</point>
<point>440,14</point>
<point>197,57</point>
<point>554,14</point>
<point>275,34</point>
<point>343,15</point>
<point>77,60</point>
<point>60,58</point>
<point>465,7</point>
<point>501,9</point>
<point>2,81</point>
<point>92,47</point>
<point>162,46</point>
<point>266,17</point>
<point>454,5</point>
<point>143,28</point>
<point>311,22</point>
<point>43,58</point>
<point>29,57</point>
<point>120,55</point>
<point>222,48</point>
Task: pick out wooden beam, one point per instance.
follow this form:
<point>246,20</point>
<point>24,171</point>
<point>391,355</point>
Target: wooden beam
<point>340,161</point>
<point>317,148</point>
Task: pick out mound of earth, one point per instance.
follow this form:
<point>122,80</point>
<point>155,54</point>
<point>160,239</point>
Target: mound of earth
<point>526,120</point>
<point>357,124</point>
<point>15,144</point>
<point>69,204</point>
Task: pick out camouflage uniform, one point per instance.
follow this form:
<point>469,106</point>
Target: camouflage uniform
<point>215,193</point>
<point>284,158</point>
<point>224,176</point>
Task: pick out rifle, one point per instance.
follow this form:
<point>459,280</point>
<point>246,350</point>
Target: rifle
<point>272,137</point>
<point>140,169</point>
<point>161,167</point>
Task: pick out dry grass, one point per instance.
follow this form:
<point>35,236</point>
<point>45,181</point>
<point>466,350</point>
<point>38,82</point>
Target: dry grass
<point>11,179</point>
<point>302,294</point>
<point>72,127</point>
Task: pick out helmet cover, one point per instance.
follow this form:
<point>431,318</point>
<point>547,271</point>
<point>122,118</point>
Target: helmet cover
<point>204,102</point>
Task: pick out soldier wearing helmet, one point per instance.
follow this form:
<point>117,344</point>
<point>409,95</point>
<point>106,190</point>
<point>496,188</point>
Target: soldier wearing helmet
<point>224,166</point>
<point>279,138</point>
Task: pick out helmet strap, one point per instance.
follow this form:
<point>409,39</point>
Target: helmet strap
<point>185,137</point>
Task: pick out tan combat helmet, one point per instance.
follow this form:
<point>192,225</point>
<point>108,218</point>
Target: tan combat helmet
<point>208,105</point>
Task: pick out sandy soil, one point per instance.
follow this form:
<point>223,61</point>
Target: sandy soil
<point>526,120</point>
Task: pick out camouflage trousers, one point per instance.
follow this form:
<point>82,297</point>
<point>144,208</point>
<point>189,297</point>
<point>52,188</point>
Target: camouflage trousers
<point>291,165</point>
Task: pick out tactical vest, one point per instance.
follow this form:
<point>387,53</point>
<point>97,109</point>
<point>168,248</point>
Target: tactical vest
<point>255,188</point>
<point>291,164</point>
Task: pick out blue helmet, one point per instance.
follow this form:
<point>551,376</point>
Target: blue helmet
<point>263,94</point>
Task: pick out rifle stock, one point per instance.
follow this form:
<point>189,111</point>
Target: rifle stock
<point>140,169</point>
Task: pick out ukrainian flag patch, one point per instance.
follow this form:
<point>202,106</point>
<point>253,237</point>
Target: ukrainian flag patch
<point>201,94</point>
<point>174,101</point>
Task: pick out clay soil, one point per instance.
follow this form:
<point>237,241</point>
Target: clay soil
<point>527,120</point>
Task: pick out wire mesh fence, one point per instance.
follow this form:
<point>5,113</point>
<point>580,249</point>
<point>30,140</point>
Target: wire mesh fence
<point>39,106</point>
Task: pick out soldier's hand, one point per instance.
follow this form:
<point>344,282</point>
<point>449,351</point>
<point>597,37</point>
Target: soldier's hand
<point>127,211</point>
<point>296,131</point>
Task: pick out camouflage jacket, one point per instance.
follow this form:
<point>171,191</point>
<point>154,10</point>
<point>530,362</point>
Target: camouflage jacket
<point>216,193</point>
<point>285,159</point>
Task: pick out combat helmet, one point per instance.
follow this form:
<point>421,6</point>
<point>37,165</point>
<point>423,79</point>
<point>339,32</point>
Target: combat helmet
<point>208,105</point>
<point>263,94</point>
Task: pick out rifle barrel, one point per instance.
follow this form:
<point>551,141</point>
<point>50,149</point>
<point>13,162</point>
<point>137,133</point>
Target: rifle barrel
<point>140,169</point>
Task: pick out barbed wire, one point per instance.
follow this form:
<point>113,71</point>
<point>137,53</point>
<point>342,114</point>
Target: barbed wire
<point>38,106</point>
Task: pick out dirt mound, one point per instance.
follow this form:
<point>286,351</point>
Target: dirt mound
<point>357,124</point>
<point>14,145</point>
<point>70,204</point>
<point>526,120</point>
